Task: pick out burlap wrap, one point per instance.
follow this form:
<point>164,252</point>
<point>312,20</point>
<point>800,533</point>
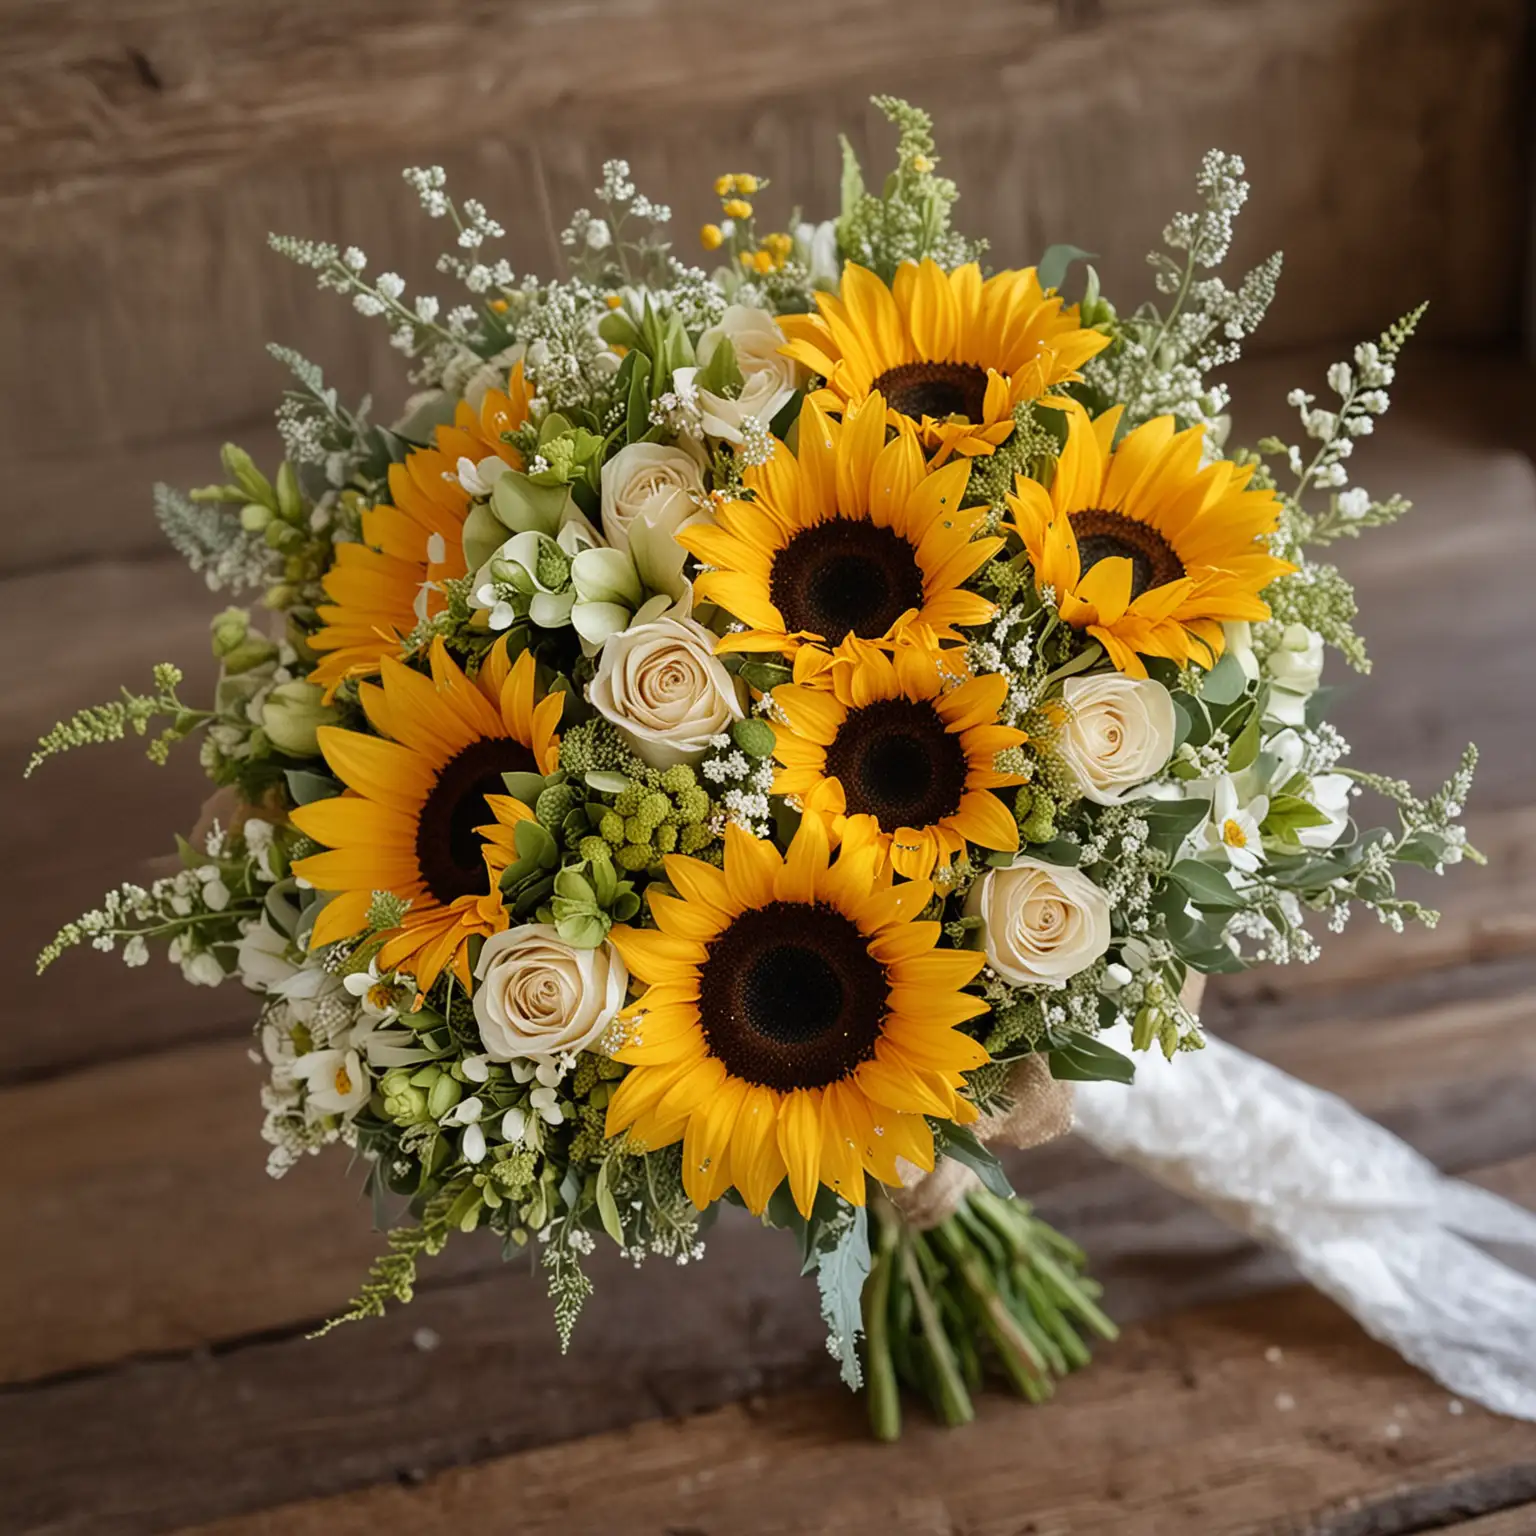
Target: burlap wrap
<point>1041,1110</point>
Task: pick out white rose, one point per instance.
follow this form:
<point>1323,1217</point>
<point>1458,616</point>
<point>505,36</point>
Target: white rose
<point>646,483</point>
<point>1119,734</point>
<point>540,997</point>
<point>768,378</point>
<point>666,690</point>
<point>1042,922</point>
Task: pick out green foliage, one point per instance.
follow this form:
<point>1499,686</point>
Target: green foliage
<point>101,723</point>
<point>910,218</point>
<point>392,1276</point>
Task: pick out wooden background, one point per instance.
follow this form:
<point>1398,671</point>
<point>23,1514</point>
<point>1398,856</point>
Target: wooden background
<point>156,1286</point>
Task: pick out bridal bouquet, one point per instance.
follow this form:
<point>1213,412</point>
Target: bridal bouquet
<point>749,731</point>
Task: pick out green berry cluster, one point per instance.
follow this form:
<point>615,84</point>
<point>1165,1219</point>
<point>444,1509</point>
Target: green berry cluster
<point>664,813</point>
<point>1035,812</point>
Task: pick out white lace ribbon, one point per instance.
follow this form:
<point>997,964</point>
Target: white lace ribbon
<point>1363,1216</point>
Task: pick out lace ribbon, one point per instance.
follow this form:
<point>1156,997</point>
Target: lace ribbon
<point>1363,1216</point>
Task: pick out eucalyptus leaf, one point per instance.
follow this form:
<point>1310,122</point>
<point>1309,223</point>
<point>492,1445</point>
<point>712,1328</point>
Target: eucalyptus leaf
<point>526,787</point>
<point>1225,683</point>
<point>606,782</point>
<point>1052,267</point>
<point>306,787</point>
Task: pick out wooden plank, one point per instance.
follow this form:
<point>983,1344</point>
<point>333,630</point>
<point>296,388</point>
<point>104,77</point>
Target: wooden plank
<point>1184,1426</point>
<point>94,817</point>
<point>151,146</point>
<point>166,1221</point>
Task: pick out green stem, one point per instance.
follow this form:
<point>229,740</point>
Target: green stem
<point>950,1398</point>
<point>880,1375</point>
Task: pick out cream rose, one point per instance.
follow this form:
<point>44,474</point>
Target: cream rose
<point>1119,733</point>
<point>541,997</point>
<point>649,484</point>
<point>768,378</point>
<point>666,690</point>
<point>1042,922</point>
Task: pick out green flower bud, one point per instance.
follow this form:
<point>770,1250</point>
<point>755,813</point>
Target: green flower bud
<point>654,808</point>
<point>754,737</point>
<point>446,1092</point>
<point>229,630</point>
<point>292,714</point>
<point>664,839</point>
<point>612,827</point>
<point>403,1103</point>
<point>678,778</point>
<point>254,517</point>
<point>593,848</point>
<point>635,856</point>
<point>693,837</point>
<point>637,829</point>
<point>554,803</point>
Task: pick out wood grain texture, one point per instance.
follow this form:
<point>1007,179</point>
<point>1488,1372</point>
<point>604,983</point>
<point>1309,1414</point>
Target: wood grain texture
<point>150,146</point>
<point>1183,1429</point>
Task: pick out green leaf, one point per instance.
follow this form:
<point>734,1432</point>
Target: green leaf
<point>1057,851</point>
<point>722,375</point>
<point>1052,267</point>
<point>1083,1059</point>
<point>638,417</point>
<point>606,782</point>
<point>840,1276</point>
<point>535,844</point>
<point>1205,884</point>
<point>1169,822</point>
<point>607,1206</point>
<point>306,787</point>
<point>961,1143</point>
<point>1245,750</point>
<point>852,187</point>
<point>484,534</point>
<point>526,787</point>
<point>765,675</point>
<point>1225,683</point>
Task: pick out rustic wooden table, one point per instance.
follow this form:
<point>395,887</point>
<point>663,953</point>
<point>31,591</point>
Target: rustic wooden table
<point>157,1287</point>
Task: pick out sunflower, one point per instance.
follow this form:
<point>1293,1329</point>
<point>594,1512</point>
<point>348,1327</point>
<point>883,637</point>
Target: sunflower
<point>1145,550</point>
<point>797,1021</point>
<point>872,738</point>
<point>383,587</point>
<point>420,791</point>
<point>950,353</point>
<point>851,535</point>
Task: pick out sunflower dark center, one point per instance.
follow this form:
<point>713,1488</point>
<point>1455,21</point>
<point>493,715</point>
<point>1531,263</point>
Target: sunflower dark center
<point>790,996</point>
<point>448,852</point>
<point>897,763</point>
<point>845,575</point>
<point>935,389</point>
<point>1113,536</point>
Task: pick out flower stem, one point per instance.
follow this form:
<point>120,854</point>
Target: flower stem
<point>880,1388</point>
